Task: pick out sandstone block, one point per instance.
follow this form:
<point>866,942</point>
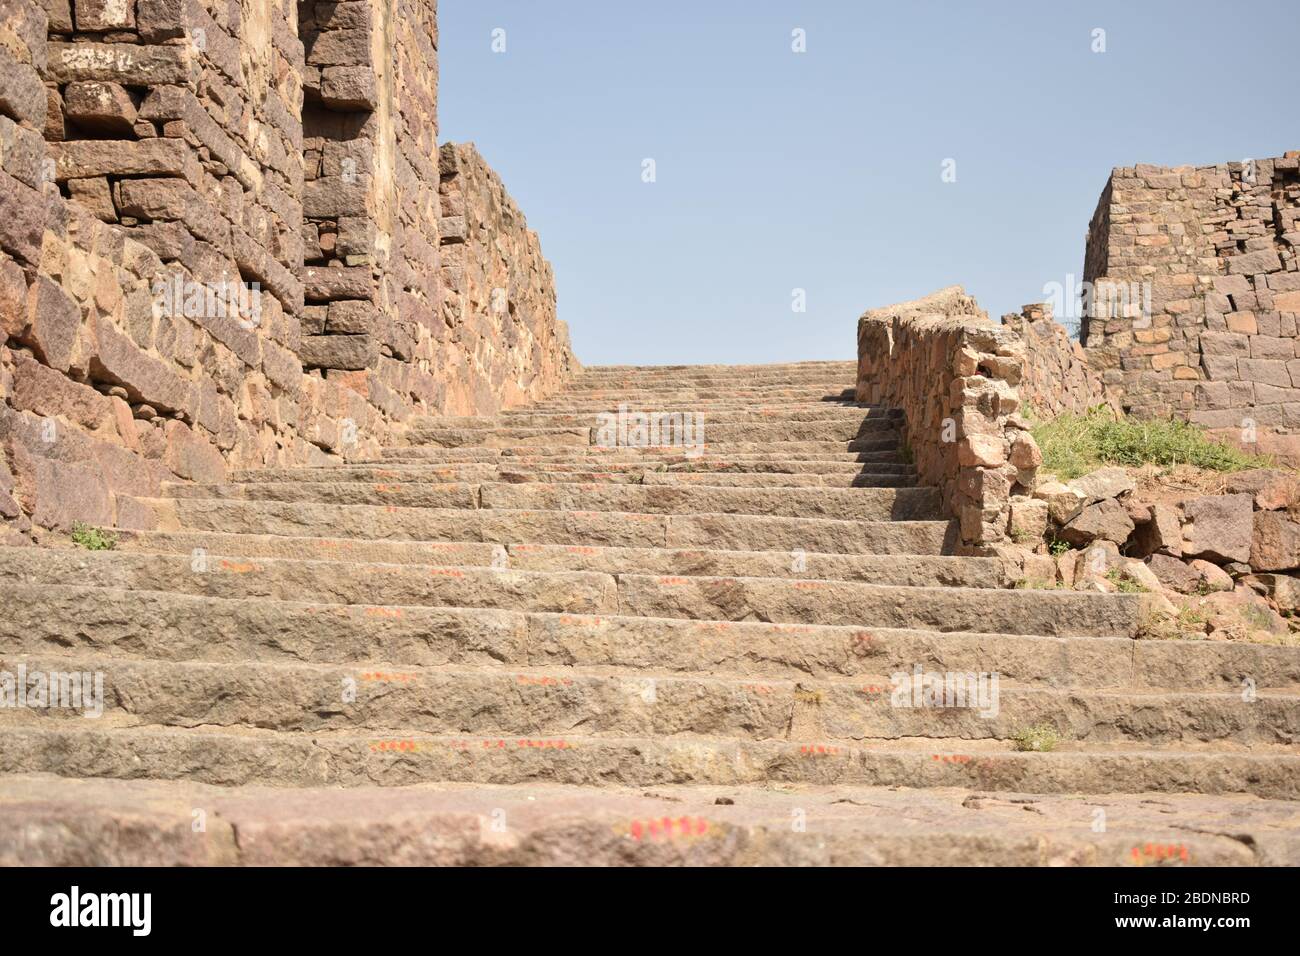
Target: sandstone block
<point>1109,482</point>
<point>349,88</point>
<point>22,94</point>
<point>1275,545</point>
<point>1106,520</point>
<point>1174,574</point>
<point>95,196</point>
<point>1219,527</point>
<point>100,106</point>
<point>53,323</point>
<point>1272,489</point>
<point>338,351</point>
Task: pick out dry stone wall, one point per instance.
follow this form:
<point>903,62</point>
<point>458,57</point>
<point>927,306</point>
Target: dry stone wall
<point>1197,294</point>
<point>219,247</point>
<point>1056,377</point>
<point>954,374</point>
<point>499,301</point>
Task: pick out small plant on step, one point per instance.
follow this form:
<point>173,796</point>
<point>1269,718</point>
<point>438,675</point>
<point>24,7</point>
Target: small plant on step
<point>1123,583</point>
<point>93,539</point>
<point>1040,737</point>
<point>1058,546</point>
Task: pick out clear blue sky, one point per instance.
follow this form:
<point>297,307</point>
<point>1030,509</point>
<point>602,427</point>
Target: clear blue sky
<point>821,170</point>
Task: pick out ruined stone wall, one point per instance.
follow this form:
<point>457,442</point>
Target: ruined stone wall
<point>219,246</point>
<point>1198,295</point>
<point>1056,377</point>
<point>954,375</point>
<point>499,307</point>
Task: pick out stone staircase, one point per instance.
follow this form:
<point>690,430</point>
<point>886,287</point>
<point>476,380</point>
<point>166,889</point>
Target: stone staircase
<point>505,643</point>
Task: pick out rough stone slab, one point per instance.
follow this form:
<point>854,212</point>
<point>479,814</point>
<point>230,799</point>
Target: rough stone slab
<point>61,822</point>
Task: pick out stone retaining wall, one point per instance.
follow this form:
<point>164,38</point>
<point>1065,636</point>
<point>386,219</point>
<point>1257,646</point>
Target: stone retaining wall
<point>954,375</point>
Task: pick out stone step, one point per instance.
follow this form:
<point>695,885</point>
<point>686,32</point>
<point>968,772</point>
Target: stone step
<point>289,759</point>
<point>908,570</point>
<point>501,526</point>
<point>689,402</point>
<point>332,582</point>
<point>700,597</point>
<point>773,450</point>
<point>858,479</point>
<point>537,469</point>
<point>149,624</point>
<point>737,414</point>
<point>557,701</point>
<point>866,504</point>
<point>850,475</point>
<point>431,432</point>
<point>106,822</point>
<point>650,395</point>
<point>697,597</point>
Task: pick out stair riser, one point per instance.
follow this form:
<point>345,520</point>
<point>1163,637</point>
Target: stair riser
<point>725,451</point>
<point>727,532</point>
<point>177,627</point>
<point>867,504</point>
<point>696,598</point>
<point>557,702</point>
<point>328,582</point>
<point>538,470</point>
<point>792,415</point>
<point>331,761</point>
<point>879,432</point>
<point>847,603</point>
<point>904,570</point>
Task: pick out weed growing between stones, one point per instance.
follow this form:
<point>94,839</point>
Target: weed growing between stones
<point>1073,445</point>
<point>1124,583</point>
<point>93,539</point>
<point>1040,737</point>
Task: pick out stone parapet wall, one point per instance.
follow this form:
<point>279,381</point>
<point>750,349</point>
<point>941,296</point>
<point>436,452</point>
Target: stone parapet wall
<point>1197,296</point>
<point>954,375</point>
<point>219,247</point>
<point>1056,377</point>
<point>499,303</point>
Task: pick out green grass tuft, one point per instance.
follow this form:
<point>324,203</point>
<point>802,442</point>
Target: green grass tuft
<point>1074,445</point>
<point>93,539</point>
<point>1040,737</point>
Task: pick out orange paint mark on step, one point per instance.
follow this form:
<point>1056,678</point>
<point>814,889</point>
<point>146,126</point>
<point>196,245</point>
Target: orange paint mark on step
<point>396,746</point>
<point>387,678</point>
<point>545,744</point>
<point>393,612</point>
<point>446,573</point>
<point>665,828</point>
<point>543,681</point>
<point>818,750</point>
<point>673,581</point>
<point>1155,852</point>
<point>239,567</point>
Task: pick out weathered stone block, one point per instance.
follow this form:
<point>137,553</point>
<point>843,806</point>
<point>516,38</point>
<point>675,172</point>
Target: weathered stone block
<point>53,323</point>
<point>1275,545</point>
<point>338,351</point>
<point>1219,527</point>
<point>100,106</point>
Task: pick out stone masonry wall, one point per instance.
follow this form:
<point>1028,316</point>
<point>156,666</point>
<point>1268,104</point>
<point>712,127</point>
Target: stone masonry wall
<point>954,375</point>
<point>219,247</point>
<point>1056,375</point>
<point>1205,262</point>
<point>499,308</point>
